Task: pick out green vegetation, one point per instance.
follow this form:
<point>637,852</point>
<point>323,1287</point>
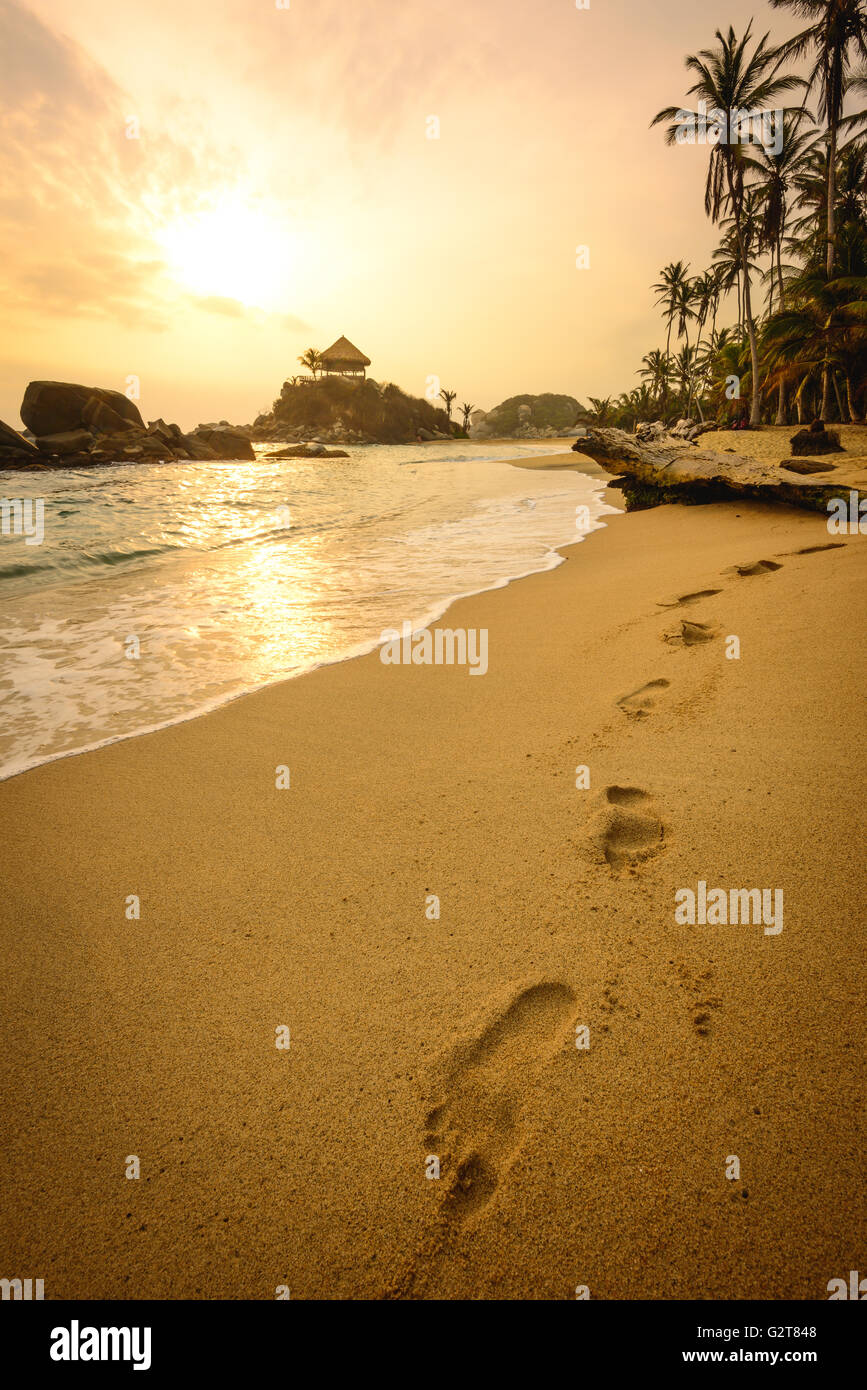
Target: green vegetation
<point>792,212</point>
<point>541,412</point>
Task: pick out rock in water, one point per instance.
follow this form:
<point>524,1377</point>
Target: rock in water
<point>53,407</point>
<point>225,443</point>
<point>310,451</point>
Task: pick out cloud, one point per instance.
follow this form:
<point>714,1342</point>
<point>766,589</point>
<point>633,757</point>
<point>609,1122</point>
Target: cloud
<point>292,323</point>
<point>219,304</point>
<point>234,309</point>
<point>79,200</point>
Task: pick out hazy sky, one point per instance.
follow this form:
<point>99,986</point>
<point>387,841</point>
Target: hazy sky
<point>282,190</point>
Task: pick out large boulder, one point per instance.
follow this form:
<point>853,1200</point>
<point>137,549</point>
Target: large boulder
<point>53,407</point>
<point>225,443</point>
<point>196,448</point>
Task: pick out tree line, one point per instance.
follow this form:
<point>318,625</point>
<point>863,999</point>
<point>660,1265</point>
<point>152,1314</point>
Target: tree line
<point>786,185</point>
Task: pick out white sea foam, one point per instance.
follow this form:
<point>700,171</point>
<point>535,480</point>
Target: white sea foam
<point>197,562</point>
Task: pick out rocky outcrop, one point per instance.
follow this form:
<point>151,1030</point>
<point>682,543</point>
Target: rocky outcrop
<point>816,440</point>
<point>673,471</point>
<point>75,426</point>
<point>339,410</point>
<point>53,407</point>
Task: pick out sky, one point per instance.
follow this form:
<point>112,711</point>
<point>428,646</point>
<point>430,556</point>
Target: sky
<point>193,192</point>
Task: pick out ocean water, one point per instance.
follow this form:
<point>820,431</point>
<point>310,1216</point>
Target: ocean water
<point>226,577</point>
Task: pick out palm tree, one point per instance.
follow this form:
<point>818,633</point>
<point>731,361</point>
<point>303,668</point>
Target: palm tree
<point>672,279</point>
<point>656,371</point>
<point>774,171</point>
<point>684,370</point>
<point>822,332</point>
<point>838,33</point>
<point>727,266</point>
<point>731,80</point>
<point>633,406</point>
<point>730,357</point>
<point>774,174</point>
<point>448,397</point>
<point>601,411</point>
<point>312,360</point>
<point>466,412</point>
<point>685,312</point>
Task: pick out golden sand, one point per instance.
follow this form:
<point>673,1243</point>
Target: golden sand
<point>414,1036</point>
<point>772,443</point>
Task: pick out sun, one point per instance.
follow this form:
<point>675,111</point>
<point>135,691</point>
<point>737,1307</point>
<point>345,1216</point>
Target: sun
<point>236,251</point>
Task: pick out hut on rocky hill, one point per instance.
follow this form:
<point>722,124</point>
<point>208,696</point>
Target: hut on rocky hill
<point>343,359</point>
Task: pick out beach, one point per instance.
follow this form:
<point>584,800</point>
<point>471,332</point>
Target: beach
<point>583,1066</point>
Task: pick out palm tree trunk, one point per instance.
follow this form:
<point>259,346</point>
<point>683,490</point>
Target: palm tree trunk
<point>781,398</point>
<point>843,413</point>
<point>689,376</point>
<point>826,392</point>
<point>854,417</point>
<point>830,229</point>
<point>830,214</point>
<point>756,406</point>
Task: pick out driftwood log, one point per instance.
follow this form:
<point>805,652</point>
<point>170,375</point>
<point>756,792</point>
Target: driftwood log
<point>671,471</point>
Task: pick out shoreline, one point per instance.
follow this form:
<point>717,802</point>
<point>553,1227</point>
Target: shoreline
<point>456,1035</point>
<point>591,470</point>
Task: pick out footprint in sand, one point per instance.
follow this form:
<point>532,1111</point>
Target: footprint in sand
<point>692,634</point>
<point>683,600</point>
<point>814,549</point>
<point>702,1005</point>
<point>640,702</point>
<point>755,567</point>
<point>475,1130</point>
<point>626,827</point>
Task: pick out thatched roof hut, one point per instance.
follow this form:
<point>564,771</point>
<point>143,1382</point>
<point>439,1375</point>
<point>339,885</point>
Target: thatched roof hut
<point>343,359</point>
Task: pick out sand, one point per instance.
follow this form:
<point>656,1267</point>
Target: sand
<point>306,908</point>
<point>772,443</point>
